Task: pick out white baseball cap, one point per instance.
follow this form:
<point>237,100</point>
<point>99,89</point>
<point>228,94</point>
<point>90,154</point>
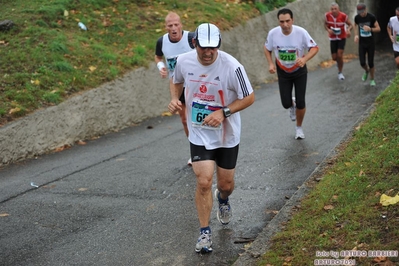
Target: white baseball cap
<point>208,35</point>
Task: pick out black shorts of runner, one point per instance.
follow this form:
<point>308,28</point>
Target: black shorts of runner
<point>395,54</point>
<point>224,157</point>
<point>182,98</point>
<point>337,44</point>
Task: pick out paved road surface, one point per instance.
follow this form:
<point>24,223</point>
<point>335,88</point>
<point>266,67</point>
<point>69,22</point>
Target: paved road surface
<point>127,197</point>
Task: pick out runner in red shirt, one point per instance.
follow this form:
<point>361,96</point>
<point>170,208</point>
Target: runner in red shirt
<point>339,27</point>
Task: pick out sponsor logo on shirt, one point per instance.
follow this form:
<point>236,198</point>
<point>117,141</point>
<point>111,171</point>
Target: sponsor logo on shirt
<point>203,88</point>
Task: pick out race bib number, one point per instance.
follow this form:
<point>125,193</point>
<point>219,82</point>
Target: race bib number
<point>200,110</point>
<point>364,33</point>
<point>171,61</point>
<point>337,31</point>
<point>287,56</point>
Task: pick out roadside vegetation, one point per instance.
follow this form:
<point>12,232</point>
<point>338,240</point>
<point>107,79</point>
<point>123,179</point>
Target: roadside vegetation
<point>46,57</point>
<point>342,212</point>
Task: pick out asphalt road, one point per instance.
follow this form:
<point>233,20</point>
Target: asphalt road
<point>127,198</point>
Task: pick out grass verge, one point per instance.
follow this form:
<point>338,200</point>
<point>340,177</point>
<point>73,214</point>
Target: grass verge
<point>46,57</point>
<point>342,212</point>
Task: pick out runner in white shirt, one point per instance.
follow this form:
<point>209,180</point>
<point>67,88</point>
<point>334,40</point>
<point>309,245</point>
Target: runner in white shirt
<point>393,33</point>
<point>217,88</point>
<point>169,46</point>
<point>211,88</point>
<point>293,47</point>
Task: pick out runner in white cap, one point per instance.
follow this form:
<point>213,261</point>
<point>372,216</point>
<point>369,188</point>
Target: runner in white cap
<point>217,88</point>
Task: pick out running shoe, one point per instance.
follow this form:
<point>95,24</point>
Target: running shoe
<point>189,162</point>
<point>299,133</point>
<point>372,83</point>
<point>341,76</point>
<point>365,75</point>
<point>204,243</point>
<point>293,110</point>
<point>224,210</point>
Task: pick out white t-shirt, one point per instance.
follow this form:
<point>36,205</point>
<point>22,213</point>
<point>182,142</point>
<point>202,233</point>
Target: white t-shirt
<point>172,50</point>
<point>394,24</point>
<point>209,88</point>
<point>287,48</point>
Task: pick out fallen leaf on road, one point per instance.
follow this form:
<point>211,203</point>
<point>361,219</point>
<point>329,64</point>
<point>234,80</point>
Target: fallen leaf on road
<point>81,142</point>
<point>36,82</point>
<point>166,114</point>
<point>328,207</point>
<point>386,200</point>
<point>14,110</point>
<point>66,146</point>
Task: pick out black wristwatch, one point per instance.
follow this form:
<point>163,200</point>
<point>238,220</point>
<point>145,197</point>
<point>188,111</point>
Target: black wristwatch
<point>226,112</point>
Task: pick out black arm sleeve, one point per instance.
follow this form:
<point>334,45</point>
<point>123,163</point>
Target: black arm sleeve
<point>190,39</point>
<point>158,48</point>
